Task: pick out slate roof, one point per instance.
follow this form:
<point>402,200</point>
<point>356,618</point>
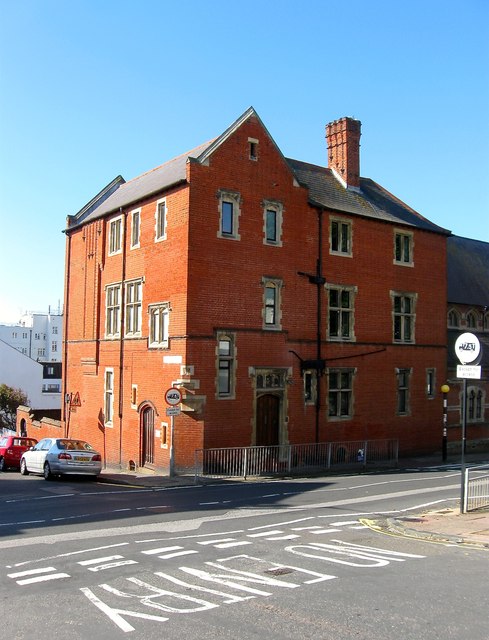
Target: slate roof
<point>324,189</point>
<point>372,200</point>
<point>467,271</point>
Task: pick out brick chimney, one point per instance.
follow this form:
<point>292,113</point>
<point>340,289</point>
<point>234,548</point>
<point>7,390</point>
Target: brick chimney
<point>343,140</point>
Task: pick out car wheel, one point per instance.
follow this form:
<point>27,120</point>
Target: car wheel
<point>23,468</point>
<point>47,472</point>
<point>2,465</point>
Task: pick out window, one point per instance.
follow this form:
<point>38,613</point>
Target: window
<point>486,322</point>
<point>229,212</point>
<point>133,308</point>
<point>115,236</point>
<point>113,311</point>
<point>14,334</point>
<point>272,222</point>
<point>37,336</point>
<point>41,353</point>
<point>24,335</point>
<point>310,387</point>
<point>341,312</point>
<point>471,320</point>
<point>403,376</point>
<point>159,316</point>
<point>50,371</point>
<point>135,228</point>
<point>225,365</point>
<point>54,331</point>
<point>164,435</point>
<point>403,248</point>
<point>430,383</point>
<point>340,237</point>
<point>160,220</point>
<point>453,318</point>
<point>253,148</point>
<point>134,395</point>
<point>271,307</point>
<point>109,396</point>
<point>475,404</point>
<point>54,346</point>
<point>340,393</point>
<point>403,317</point>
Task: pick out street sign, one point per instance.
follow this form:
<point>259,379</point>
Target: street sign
<point>173,411</point>
<point>173,396</point>
<point>468,371</point>
<point>467,348</point>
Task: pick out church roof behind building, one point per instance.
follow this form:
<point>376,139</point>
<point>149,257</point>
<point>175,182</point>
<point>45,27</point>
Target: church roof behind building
<point>468,271</point>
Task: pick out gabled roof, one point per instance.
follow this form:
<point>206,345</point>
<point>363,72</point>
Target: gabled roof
<point>325,190</point>
<point>468,271</point>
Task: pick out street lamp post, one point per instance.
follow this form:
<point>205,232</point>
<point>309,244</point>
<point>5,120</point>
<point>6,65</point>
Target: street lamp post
<point>444,445</point>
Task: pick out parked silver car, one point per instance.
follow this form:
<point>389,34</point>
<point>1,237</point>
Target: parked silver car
<point>59,456</point>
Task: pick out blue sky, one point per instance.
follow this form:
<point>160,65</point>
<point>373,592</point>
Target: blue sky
<point>95,88</point>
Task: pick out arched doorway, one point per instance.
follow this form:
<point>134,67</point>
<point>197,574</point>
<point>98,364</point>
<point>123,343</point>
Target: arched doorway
<point>267,420</point>
<point>147,436</point>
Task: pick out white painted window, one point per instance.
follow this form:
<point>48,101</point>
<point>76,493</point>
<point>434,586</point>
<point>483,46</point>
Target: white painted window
<point>160,220</point>
<point>159,320</point>
<point>404,316</point>
<point>135,228</point>
<point>272,314</point>
<point>229,212</point>
<point>115,236</point>
<point>112,311</point>
<point>109,396</point>
<point>134,290</point>
<point>403,248</point>
<point>340,236</point>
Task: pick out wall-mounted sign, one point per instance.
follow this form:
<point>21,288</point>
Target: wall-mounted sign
<point>468,348</point>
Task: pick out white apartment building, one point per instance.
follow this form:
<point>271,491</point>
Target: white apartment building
<point>38,337</point>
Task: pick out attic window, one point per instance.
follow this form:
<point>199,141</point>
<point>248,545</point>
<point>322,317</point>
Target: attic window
<point>253,147</point>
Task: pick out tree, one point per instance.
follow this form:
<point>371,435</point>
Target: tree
<point>10,399</point>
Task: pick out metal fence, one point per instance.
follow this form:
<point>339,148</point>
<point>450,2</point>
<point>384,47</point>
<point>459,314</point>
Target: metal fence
<point>476,488</point>
<point>243,462</point>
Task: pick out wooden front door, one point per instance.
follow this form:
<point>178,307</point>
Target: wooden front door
<point>267,420</point>
<point>148,437</point>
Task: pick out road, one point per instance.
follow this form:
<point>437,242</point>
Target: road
<point>279,559</point>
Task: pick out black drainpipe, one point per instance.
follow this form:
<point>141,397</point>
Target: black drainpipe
<point>66,405</point>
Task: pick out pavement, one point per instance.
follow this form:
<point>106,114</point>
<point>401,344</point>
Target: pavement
<point>443,525</point>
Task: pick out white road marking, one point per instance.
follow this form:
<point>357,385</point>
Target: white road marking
<point>151,552</point>
<point>228,545</point>
<point>204,542</point>
<point>262,534</point>
<point>86,563</point>
<point>178,553</point>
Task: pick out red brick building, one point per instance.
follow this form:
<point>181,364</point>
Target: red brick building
<point>291,303</point>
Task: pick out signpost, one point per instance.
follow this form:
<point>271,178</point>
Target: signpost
<point>468,351</point>
<point>173,398</point>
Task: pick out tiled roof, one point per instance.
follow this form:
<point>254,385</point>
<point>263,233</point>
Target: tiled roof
<point>127,193</point>
<point>324,189</point>
<point>371,200</point>
<point>468,271</point>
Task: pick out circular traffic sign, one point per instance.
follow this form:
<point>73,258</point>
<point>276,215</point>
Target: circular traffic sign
<point>173,396</point>
<point>467,348</point>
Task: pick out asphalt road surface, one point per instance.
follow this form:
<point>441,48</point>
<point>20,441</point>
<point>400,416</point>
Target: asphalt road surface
<point>275,560</point>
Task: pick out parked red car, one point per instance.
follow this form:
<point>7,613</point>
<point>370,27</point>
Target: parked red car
<point>11,450</point>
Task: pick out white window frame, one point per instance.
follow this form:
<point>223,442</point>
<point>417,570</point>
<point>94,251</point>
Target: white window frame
<point>109,396</point>
<point>234,199</point>
<point>159,324</point>
<point>276,284</point>
<point>161,221</point>
<point>253,148</point>
<point>430,382</point>
<point>341,311</point>
<point>135,228</point>
<point>113,310</point>
<point>402,240</point>
<point>338,246</point>
<point>133,291</point>
<point>116,235</point>
<point>277,208</point>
